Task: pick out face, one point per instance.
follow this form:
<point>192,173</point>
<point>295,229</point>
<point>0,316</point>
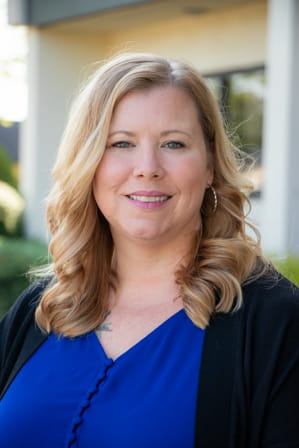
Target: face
<point>154,172</point>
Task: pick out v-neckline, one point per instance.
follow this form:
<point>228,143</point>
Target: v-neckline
<point>139,342</point>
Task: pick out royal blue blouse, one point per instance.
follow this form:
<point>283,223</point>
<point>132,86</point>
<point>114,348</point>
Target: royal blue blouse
<point>71,395</point>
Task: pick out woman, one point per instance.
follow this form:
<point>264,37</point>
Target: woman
<point>160,323</point>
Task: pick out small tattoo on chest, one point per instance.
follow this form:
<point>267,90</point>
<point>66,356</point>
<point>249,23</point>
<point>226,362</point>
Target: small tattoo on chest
<point>104,326</point>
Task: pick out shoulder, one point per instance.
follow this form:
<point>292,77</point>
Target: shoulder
<point>14,328</point>
<point>271,295</point>
<point>15,323</point>
<point>268,323</point>
<point>26,302</point>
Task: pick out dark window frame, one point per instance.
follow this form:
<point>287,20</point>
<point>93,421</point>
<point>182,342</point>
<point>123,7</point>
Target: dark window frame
<point>222,79</point>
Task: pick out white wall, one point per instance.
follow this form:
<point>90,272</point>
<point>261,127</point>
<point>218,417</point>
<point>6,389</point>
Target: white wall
<point>280,224</point>
<point>57,64</point>
<point>225,39</point>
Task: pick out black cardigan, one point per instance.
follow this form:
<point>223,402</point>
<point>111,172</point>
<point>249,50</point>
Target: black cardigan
<point>248,394</point>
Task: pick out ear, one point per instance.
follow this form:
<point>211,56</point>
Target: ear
<point>210,169</point>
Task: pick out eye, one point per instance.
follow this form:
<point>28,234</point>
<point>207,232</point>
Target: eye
<point>174,145</point>
<point>113,143</point>
<point>120,144</point>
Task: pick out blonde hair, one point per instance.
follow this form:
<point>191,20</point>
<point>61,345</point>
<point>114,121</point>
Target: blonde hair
<point>82,247</point>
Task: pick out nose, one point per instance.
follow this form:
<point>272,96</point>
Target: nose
<point>148,163</point>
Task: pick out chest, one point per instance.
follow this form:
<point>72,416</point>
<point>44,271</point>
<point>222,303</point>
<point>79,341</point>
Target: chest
<point>123,327</point>
<point>93,400</point>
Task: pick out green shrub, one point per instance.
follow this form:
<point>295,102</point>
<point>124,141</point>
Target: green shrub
<point>6,169</point>
<point>11,211</point>
<point>289,267</point>
<point>17,256</point>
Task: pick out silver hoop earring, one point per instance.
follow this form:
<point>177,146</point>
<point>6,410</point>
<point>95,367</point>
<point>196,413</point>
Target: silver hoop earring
<point>215,198</point>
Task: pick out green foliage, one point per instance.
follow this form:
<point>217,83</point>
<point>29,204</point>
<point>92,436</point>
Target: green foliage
<point>17,256</point>
<point>289,267</point>
<point>11,202</point>
<point>6,169</point>
<point>11,211</point>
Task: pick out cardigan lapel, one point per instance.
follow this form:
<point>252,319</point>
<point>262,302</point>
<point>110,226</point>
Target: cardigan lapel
<point>215,388</point>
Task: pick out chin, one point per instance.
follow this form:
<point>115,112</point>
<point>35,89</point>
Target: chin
<point>144,233</point>
<point>141,229</point>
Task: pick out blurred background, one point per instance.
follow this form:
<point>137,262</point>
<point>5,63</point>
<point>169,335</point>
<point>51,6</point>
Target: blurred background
<point>248,51</point>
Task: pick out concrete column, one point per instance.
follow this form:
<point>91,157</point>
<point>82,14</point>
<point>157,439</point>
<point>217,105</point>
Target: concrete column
<point>280,214</point>
<point>57,63</point>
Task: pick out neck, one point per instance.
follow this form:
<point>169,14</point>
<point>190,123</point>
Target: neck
<point>148,272</point>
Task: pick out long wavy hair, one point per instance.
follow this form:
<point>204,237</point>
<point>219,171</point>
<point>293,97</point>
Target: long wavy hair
<point>223,256</point>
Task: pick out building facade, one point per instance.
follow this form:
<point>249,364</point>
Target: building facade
<point>68,37</point>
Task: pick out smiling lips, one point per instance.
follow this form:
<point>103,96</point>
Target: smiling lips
<point>148,200</point>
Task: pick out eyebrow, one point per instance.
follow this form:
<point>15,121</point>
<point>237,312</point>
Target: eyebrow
<point>174,131</point>
<point>131,134</point>
<point>163,134</point>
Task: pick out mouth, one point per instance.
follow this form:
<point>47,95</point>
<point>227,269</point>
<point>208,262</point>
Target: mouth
<point>141,198</point>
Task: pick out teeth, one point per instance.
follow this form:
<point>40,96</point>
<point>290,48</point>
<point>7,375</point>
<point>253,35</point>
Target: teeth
<point>148,198</point>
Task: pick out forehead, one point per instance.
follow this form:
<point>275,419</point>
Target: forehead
<point>163,103</point>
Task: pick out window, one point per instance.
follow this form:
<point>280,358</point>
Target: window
<point>241,98</point>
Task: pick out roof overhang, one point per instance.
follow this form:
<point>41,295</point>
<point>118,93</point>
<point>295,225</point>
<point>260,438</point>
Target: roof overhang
<point>95,14</point>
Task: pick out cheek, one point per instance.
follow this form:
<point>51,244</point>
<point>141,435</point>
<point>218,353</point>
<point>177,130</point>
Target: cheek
<point>101,194</point>
<point>194,175</point>
<point>106,173</point>
<point>194,180</point>
<point>104,170</point>
<point>100,182</point>
<point>112,167</point>
<point>109,177</point>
